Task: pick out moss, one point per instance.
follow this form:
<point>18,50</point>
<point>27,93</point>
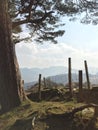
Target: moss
<point>20,118</point>
<point>24,113</point>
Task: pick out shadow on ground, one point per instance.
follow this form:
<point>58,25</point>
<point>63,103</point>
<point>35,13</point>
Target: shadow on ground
<point>53,122</point>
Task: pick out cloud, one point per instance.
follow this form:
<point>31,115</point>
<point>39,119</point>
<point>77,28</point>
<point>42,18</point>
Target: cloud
<point>45,55</point>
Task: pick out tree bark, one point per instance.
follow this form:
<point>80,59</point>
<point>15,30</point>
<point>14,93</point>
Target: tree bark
<point>10,79</point>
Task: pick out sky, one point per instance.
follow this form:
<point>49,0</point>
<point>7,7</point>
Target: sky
<point>80,42</point>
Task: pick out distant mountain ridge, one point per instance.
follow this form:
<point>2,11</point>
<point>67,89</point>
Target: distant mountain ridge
<point>30,75</point>
<point>58,74</point>
<point>63,78</point>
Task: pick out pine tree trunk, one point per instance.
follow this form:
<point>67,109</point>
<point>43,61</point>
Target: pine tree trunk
<point>10,79</point>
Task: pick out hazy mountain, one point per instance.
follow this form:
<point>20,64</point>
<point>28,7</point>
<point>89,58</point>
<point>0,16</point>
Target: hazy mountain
<point>93,70</point>
<point>63,78</point>
<point>58,74</point>
<point>30,75</point>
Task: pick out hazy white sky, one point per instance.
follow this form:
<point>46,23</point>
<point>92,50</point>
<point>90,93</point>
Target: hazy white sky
<point>79,42</point>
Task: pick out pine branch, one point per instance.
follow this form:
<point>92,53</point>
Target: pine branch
<point>35,21</point>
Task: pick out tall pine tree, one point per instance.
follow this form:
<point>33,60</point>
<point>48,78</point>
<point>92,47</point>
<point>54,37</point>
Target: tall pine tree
<point>11,91</point>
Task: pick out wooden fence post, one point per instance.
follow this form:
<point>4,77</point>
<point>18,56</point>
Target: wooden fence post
<point>44,80</point>
<point>39,88</point>
<point>87,75</point>
<point>69,77</point>
<point>80,85</point>
<point>22,90</point>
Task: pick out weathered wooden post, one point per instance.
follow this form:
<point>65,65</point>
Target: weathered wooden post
<point>69,77</point>
<point>39,88</point>
<point>23,91</point>
<point>87,74</point>
<point>44,80</point>
<point>80,85</point>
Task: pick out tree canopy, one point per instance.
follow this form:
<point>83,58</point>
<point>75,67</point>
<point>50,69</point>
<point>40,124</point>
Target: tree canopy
<point>43,17</point>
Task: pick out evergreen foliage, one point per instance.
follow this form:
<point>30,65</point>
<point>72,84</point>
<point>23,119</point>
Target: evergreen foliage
<point>43,17</point>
